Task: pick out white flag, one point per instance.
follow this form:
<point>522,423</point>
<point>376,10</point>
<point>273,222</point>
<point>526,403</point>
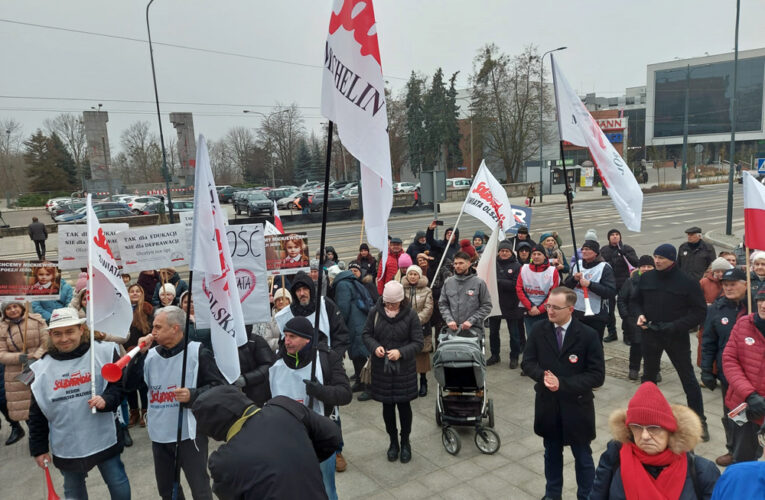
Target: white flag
<point>353,97</point>
<point>109,301</point>
<point>578,127</point>
<point>210,256</point>
<point>487,270</point>
<point>487,201</point>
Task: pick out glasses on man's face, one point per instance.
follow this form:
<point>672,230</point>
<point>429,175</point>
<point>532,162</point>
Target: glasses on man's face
<point>638,429</point>
<point>557,308</point>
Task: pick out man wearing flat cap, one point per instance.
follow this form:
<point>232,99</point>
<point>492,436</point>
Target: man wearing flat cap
<point>668,303</point>
<point>695,255</point>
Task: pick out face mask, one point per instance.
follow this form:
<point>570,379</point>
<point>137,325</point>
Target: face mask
<point>391,314</point>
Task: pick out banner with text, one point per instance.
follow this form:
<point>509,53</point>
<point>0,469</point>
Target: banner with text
<point>73,244</point>
<point>248,254</point>
<point>287,253</point>
<point>521,218</point>
<point>29,280</point>
<point>153,247</point>
<point>487,200</point>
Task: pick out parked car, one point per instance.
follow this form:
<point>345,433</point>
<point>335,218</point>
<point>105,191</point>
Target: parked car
<point>220,188</point>
<point>51,204</point>
<point>67,207</point>
<point>259,204</point>
<point>309,185</point>
<point>288,202</point>
<point>353,192</point>
<point>336,202</point>
<point>338,184</point>
<point>137,204</point>
<point>403,187</point>
<point>239,200</point>
<point>178,206</point>
<point>279,193</point>
<point>225,194</point>
<point>102,210</point>
<point>458,183</point>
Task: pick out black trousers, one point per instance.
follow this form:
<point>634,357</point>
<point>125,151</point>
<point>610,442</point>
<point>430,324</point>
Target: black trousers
<point>193,463</point>
<point>143,392</point>
<point>611,325</point>
<point>636,350</point>
<point>678,348</point>
<point>740,440</point>
<point>40,249</point>
<point>404,414</point>
<point>358,364</point>
<point>594,322</point>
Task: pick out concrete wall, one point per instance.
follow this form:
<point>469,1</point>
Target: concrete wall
<point>187,146</point>
<point>97,138</point>
<point>135,221</point>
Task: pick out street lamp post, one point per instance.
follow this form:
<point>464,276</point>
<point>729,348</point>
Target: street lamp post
<point>266,116</point>
<point>729,215</point>
<point>541,123</point>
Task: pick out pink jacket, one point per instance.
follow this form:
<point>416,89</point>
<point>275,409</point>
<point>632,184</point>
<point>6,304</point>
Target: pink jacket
<point>743,362</point>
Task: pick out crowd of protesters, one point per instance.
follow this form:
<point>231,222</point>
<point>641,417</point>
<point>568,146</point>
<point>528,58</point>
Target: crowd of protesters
<point>386,318</point>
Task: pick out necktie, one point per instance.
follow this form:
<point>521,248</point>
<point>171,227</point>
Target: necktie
<point>559,335</point>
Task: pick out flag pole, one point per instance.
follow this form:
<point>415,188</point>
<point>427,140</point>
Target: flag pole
<point>181,409</point>
<point>91,317</point>
<point>315,340</point>
<point>748,282</point>
<point>568,204</point>
<point>448,243</point>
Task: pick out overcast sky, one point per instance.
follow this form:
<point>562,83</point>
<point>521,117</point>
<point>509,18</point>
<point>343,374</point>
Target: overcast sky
<point>609,45</point>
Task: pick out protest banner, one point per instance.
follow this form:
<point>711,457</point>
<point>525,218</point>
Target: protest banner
<point>521,216</point>
<point>187,220</point>
<point>153,247</point>
<point>247,246</point>
<point>73,244</point>
<point>29,280</point>
<point>487,200</point>
<point>287,253</point>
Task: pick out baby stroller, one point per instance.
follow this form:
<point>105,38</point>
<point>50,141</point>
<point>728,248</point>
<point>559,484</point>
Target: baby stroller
<point>459,367</point>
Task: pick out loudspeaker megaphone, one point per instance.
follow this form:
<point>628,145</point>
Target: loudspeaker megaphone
<point>51,492</point>
<point>587,307</point>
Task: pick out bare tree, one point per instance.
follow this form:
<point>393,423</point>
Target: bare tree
<point>70,129</point>
<point>505,104</point>
<point>222,163</point>
<point>240,142</point>
<point>144,155</point>
<point>11,136</point>
<point>280,134</point>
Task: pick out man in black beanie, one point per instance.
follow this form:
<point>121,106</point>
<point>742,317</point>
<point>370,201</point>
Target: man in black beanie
<point>668,304</point>
<point>593,273</point>
<point>622,259</point>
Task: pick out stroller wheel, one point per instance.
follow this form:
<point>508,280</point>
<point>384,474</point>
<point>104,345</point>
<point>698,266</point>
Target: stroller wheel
<point>487,440</point>
<point>490,411</point>
<point>438,416</point>
<point>451,440</point>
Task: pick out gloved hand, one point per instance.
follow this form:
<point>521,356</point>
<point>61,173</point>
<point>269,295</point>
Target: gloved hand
<point>240,382</point>
<point>23,358</point>
<point>756,405</point>
<point>660,326</point>
<point>710,381</point>
<point>313,388</point>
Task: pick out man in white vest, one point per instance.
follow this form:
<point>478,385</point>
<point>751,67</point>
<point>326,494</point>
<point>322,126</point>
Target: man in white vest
<point>597,276</point>
<point>61,410</point>
<point>162,367</point>
<point>290,376</point>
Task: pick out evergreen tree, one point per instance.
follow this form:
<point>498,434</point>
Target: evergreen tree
<point>435,126</point>
<point>63,159</point>
<point>318,158</point>
<point>303,164</point>
<point>415,123</point>
<point>42,167</point>
<point>452,134</point>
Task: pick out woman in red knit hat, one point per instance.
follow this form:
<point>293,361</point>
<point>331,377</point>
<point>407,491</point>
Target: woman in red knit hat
<point>651,456</point>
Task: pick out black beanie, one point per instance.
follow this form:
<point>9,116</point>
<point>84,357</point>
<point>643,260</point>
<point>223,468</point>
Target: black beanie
<point>646,260</point>
<point>613,231</point>
<point>539,248</point>
<point>300,326</point>
<point>505,245</point>
<point>592,245</point>
<point>667,251</point>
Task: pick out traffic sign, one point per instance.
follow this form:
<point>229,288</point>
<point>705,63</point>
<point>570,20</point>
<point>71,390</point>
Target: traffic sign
<point>760,165</point>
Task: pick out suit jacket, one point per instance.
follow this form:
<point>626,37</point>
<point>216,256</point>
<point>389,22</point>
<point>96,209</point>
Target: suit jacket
<point>567,414</point>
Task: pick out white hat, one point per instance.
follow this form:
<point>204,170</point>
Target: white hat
<point>333,271</point>
<point>66,316</point>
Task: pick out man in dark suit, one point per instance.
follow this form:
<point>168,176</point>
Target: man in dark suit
<point>565,358</point>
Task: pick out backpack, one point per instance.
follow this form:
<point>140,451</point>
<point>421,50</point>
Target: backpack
<point>363,299</point>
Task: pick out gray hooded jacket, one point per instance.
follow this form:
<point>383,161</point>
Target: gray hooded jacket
<point>465,298</point>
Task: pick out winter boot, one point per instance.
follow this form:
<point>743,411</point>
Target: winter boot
<point>393,449</point>
<point>423,386</point>
<point>142,422</point>
<point>135,416</point>
<point>17,432</point>
<point>126,437</point>
<point>406,450</point>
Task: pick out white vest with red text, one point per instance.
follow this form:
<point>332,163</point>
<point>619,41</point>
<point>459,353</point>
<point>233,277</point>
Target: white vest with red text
<point>62,390</point>
<point>286,381</point>
<point>163,376</point>
<point>537,285</point>
<point>593,274</point>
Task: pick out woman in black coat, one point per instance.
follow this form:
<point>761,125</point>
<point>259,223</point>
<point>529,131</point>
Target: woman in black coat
<point>393,334</point>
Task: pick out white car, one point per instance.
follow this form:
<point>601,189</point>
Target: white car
<point>403,187</point>
<point>52,204</point>
<point>138,204</point>
<point>458,183</point>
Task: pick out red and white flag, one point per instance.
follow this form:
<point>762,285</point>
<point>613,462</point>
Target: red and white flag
<point>353,97</point>
<point>211,257</point>
<point>487,201</point>
<point>277,219</point>
<point>108,302</point>
<point>578,127</point>
<point>754,212</point>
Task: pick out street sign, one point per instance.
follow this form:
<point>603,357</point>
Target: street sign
<point>426,186</point>
<point>699,148</point>
<point>760,165</point>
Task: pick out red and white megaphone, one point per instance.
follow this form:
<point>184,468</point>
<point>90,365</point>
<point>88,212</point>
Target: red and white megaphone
<point>112,372</point>
<point>587,306</point>
<point>51,492</point>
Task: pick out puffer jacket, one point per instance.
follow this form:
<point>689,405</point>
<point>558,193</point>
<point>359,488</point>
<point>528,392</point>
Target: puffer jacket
<point>420,298</point>
<point>465,298</point>
<point>742,362</point>
<point>721,318</point>
<point>508,271</point>
<point>387,274</point>
<point>345,296</point>
<point>608,484</point>
<point>402,332</point>
<point>12,344</point>
<point>46,307</point>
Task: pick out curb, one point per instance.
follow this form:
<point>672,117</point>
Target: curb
<point>723,240</point>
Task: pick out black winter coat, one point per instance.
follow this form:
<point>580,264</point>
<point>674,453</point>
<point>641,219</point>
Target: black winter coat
<point>695,261</point>
<point>629,320</point>
<point>567,414</point>
<point>404,332</point>
<point>255,358</point>
<point>437,247</point>
<point>608,484</point>
<point>507,275</point>
<point>671,300</point>
<point>605,288</point>
<point>721,317</point>
<point>261,460</point>
<point>615,256</point>
<point>175,280</point>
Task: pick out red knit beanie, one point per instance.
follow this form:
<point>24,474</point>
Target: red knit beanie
<point>649,407</point>
<point>467,247</point>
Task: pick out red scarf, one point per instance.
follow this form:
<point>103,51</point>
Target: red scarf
<point>640,485</point>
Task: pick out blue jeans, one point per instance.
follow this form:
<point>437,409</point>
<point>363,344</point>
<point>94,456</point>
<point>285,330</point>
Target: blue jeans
<point>306,211</point>
<point>114,476</point>
<point>328,475</point>
<point>583,465</point>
